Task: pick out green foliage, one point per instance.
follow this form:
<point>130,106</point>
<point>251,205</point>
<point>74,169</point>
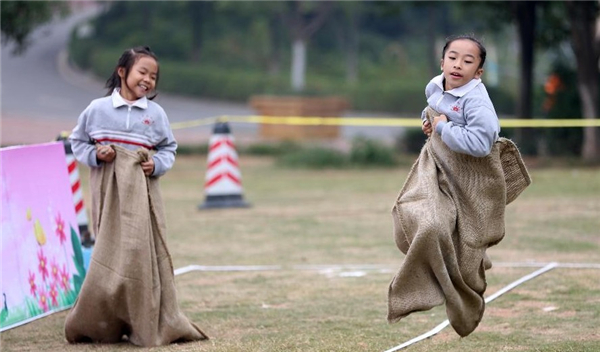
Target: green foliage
<point>368,152</point>
<point>314,158</point>
<point>565,141</point>
<point>364,153</point>
<point>19,18</point>
<point>271,149</point>
<point>412,141</point>
<point>244,50</point>
<point>78,260</point>
<point>192,150</point>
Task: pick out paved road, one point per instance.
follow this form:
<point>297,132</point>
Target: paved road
<point>43,95</point>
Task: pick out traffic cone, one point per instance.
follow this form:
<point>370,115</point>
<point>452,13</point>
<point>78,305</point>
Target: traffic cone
<point>87,239</point>
<point>223,182</point>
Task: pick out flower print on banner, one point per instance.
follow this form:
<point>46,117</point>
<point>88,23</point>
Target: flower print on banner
<point>32,285</point>
<point>64,278</point>
<point>54,270</point>
<point>43,299</point>
<point>60,228</point>
<point>39,233</point>
<point>42,265</point>
<point>53,293</point>
<point>40,245</point>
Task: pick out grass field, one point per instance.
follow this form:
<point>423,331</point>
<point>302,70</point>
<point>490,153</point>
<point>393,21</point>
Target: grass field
<point>300,219</point>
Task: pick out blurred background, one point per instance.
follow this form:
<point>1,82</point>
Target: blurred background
<point>375,55</point>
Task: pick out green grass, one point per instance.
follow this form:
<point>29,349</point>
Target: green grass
<point>315,217</point>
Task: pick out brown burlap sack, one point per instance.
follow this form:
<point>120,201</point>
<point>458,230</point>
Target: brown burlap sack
<point>449,211</point>
<point>129,289</point>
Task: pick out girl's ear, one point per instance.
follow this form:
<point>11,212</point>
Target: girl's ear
<point>478,73</point>
<point>442,64</point>
<point>121,72</point>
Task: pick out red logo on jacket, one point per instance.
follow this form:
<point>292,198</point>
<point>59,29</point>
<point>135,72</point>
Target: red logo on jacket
<point>456,108</point>
<point>147,120</point>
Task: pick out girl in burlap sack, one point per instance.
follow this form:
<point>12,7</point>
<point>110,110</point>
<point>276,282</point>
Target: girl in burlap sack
<point>451,206</point>
<point>126,140</point>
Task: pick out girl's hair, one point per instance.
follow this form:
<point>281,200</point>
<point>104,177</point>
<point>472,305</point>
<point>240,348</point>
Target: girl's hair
<point>127,60</point>
<point>482,51</point>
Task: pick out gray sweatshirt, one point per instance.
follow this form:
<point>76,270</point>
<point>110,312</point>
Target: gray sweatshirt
<point>473,125</point>
<point>111,120</point>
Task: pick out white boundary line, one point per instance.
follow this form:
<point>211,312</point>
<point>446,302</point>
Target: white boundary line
<point>487,300</point>
<point>372,267</point>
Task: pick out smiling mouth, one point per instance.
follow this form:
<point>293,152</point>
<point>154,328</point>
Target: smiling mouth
<point>456,75</point>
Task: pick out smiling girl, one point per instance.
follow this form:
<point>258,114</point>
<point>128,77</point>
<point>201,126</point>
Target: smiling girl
<point>127,117</point>
<point>125,138</point>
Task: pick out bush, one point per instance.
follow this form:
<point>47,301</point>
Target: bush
<point>314,158</point>
<point>270,149</point>
<point>215,80</point>
<point>412,141</point>
<point>367,152</point>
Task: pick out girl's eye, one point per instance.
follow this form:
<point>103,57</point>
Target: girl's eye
<point>469,62</point>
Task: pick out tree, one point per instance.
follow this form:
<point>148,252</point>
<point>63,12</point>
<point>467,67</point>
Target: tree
<point>586,44</point>
<point>525,15</point>
<point>346,22</point>
<point>304,19</point>
<point>200,12</point>
<point>19,18</point>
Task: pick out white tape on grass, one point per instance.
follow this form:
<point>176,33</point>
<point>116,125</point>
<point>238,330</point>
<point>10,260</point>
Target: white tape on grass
<point>507,288</point>
<point>189,268</point>
<point>379,268</point>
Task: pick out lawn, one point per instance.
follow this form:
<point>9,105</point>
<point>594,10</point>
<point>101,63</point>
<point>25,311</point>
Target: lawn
<point>329,234</point>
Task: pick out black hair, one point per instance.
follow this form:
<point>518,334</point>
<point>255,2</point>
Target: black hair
<point>127,60</point>
<point>482,51</point>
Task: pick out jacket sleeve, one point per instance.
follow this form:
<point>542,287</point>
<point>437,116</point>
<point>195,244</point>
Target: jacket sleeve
<point>166,150</point>
<point>82,144</point>
<point>424,116</point>
<point>477,137</point>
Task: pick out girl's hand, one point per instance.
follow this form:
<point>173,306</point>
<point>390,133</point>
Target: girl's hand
<point>148,167</point>
<point>426,127</point>
<point>439,118</point>
<point>105,153</point>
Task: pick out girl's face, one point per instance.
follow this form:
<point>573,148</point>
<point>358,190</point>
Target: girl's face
<point>460,63</point>
<point>141,79</point>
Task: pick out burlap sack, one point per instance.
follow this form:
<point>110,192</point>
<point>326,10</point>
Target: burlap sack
<point>449,211</point>
<point>129,289</point>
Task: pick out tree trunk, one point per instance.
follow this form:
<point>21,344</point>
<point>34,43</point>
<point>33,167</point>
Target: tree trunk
<point>434,56</point>
<point>197,11</point>
<point>298,64</point>
<point>526,22</point>
<point>302,29</point>
<point>352,50</point>
<point>275,52</point>
<point>583,30</point>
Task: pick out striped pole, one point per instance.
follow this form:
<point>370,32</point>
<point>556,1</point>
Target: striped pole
<point>82,219</point>
<point>223,182</point>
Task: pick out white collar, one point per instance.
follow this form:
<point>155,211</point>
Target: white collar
<point>117,100</point>
<point>457,92</point>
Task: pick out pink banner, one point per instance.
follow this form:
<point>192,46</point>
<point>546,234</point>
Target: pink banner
<point>42,262</point>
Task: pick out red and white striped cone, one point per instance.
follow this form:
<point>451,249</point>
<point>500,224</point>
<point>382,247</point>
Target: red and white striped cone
<point>223,182</point>
<point>87,239</point>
